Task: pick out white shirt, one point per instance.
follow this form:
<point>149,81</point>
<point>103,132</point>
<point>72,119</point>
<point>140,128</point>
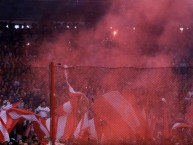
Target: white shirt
<point>43,111</point>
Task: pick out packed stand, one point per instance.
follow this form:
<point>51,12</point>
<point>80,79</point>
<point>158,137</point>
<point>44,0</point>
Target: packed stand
<point>18,46</point>
<point>14,70</point>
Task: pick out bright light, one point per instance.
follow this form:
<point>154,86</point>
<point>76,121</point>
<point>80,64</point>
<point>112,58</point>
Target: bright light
<point>164,100</point>
<point>133,28</point>
<point>75,27</point>
<point>181,29</point>
<point>68,26</point>
<point>27,26</point>
<point>28,44</point>
<point>7,26</point>
<point>22,26</point>
<point>16,26</point>
<point>114,33</point>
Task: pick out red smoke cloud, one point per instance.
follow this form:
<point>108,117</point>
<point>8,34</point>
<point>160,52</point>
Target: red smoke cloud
<point>133,33</point>
<point>147,33</point>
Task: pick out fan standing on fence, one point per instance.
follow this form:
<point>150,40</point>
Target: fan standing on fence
<point>75,115</point>
<point>73,120</point>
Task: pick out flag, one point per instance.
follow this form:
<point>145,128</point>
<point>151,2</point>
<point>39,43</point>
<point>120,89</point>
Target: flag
<point>72,111</point>
<point>65,119</point>
<point>92,129</point>
<point>118,117</point>
<point>4,135</point>
<point>60,125</point>
<point>180,125</point>
<point>63,123</point>
<point>65,126</point>
<point>11,115</point>
<point>82,125</point>
<point>39,123</point>
<point>67,122</point>
<point>165,123</point>
<point>64,109</point>
<point>14,105</point>
<point>66,114</point>
<point>88,125</point>
<point>7,120</point>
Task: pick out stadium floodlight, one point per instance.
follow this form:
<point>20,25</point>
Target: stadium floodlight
<point>115,33</point>
<point>181,29</point>
<point>68,26</point>
<point>28,26</point>
<point>22,26</point>
<point>16,26</point>
<point>163,100</point>
<point>7,26</point>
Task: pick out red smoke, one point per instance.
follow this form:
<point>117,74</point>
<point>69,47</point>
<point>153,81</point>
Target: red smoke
<point>147,33</point>
<point>133,33</point>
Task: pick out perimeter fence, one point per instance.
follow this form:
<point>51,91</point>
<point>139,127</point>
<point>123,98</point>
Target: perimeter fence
<point>103,105</point>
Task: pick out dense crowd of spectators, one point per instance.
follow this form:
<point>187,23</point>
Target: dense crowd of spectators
<point>18,46</point>
<point>14,70</point>
<point>14,66</point>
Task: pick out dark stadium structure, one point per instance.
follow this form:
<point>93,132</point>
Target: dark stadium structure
<point>89,11</point>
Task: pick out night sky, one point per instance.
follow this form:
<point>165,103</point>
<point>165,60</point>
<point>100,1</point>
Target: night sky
<point>91,10</point>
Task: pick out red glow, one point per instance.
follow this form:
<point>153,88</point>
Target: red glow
<point>149,42</point>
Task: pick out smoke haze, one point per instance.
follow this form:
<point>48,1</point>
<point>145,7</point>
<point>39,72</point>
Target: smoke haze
<point>131,33</point>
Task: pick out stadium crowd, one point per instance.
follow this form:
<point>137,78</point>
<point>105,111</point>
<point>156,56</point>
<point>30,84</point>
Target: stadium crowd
<point>14,69</point>
<point>17,48</point>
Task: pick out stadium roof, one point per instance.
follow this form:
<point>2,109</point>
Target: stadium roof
<point>52,9</point>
